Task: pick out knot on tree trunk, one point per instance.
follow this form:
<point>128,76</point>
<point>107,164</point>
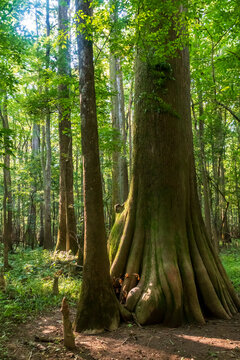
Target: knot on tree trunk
<point>119,208</point>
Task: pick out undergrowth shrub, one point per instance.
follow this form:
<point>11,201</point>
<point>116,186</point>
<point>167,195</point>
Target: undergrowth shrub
<point>230,257</point>
<point>29,286</point>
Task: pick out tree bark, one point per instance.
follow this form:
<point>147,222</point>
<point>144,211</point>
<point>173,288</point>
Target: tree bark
<point>30,234</point>
<point>48,241</point>
<point>98,308</point>
<point>206,192</point>
<point>159,245</point>
<point>7,199</point>
<point>67,232</point>
<point>120,169</point>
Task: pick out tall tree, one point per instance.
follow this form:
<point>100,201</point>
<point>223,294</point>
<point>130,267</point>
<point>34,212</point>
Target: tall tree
<point>98,308</point>
<point>67,232</point>
<point>7,200</point>
<point>30,234</point>
<point>47,243</point>
<point>159,243</point>
<point>204,175</point>
<point>120,170</point>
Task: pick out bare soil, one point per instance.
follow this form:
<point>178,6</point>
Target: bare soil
<point>42,339</point>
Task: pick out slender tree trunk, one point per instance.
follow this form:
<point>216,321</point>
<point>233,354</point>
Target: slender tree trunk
<point>98,309</point>
<point>30,235</point>
<point>120,169</point>
<point>7,200</point>
<point>48,241</point>
<point>215,171</point>
<point>225,232</point>
<point>115,125</point>
<point>67,232</point>
<point>237,190</point>
<point>206,192</point>
<point>129,121</point>
<point>122,127</point>
<point>41,231</point>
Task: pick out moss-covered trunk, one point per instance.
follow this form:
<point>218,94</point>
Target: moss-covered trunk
<point>98,308</point>
<point>159,245</point>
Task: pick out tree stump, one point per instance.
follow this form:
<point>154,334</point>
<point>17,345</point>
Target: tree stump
<point>68,337</point>
<point>55,289</point>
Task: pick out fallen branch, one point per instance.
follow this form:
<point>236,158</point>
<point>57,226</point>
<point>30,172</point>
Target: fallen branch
<point>44,339</point>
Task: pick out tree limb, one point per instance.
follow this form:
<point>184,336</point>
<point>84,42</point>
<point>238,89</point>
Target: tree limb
<point>229,110</point>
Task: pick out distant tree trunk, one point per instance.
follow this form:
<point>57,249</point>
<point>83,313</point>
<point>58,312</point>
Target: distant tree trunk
<point>78,188</point>
<point>97,309</point>
<point>81,230</point>
<point>41,230</point>
<point>225,232</point>
<point>19,216</point>
<point>216,174</point>
<point>119,170</point>
<point>48,241</point>
<point>206,192</point>
<point>159,245</point>
<point>122,126</point>
<point>237,190</point>
<point>129,121</point>
<point>67,231</point>
<point>7,200</point>
<point>115,155</point>
<point>55,211</point>
<point>30,235</point>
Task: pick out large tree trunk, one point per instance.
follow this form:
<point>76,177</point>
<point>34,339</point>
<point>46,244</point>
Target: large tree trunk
<point>159,244</point>
<point>67,232</point>
<point>98,308</point>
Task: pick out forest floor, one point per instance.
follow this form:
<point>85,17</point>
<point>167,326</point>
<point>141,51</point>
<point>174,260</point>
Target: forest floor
<point>31,321</point>
<point>42,339</point>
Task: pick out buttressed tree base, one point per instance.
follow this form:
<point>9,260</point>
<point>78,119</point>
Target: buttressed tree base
<point>160,235</point>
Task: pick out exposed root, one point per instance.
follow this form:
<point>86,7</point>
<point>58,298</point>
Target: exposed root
<point>182,281</point>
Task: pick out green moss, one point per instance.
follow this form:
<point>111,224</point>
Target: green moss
<point>115,236</point>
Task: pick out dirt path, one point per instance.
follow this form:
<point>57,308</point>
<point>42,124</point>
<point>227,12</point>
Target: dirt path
<point>215,340</point>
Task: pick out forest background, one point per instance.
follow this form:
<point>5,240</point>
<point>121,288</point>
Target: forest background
<point>33,46</point>
<point>29,90</point>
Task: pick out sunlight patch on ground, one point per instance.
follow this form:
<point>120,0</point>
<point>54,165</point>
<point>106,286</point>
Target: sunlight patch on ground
<point>49,329</point>
<point>220,342</point>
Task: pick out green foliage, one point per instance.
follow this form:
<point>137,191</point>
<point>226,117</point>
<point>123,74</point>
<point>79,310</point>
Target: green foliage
<point>6,142</point>
<point>29,286</point>
<point>230,258</point>
<point>12,44</point>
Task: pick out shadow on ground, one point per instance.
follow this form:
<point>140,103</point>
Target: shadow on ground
<point>215,340</point>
